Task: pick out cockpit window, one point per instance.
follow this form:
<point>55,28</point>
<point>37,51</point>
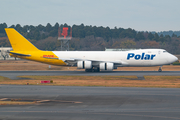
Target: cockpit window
<point>164,51</point>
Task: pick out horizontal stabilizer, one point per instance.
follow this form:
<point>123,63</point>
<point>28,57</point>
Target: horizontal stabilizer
<point>19,54</point>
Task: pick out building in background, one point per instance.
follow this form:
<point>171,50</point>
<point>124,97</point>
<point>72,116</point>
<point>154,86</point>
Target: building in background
<point>4,53</point>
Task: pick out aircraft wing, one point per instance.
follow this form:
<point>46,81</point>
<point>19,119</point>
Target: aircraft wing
<point>73,61</point>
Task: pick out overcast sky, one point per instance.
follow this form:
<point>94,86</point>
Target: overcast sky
<point>141,15</point>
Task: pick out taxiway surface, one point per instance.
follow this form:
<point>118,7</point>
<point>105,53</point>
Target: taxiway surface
<point>14,74</point>
<point>91,103</point>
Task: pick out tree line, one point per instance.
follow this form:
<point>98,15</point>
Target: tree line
<point>81,31</point>
<point>94,38</point>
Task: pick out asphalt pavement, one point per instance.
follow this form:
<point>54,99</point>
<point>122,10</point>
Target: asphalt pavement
<point>139,74</point>
<point>91,103</point>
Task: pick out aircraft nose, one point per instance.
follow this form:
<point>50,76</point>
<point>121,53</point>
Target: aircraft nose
<point>172,58</point>
<point>176,59</point>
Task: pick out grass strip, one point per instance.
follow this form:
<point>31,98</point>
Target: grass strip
<point>4,78</point>
<point>15,103</point>
<point>106,81</point>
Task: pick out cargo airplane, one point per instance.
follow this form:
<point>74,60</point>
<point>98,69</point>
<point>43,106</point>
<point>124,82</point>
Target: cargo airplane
<point>89,60</point>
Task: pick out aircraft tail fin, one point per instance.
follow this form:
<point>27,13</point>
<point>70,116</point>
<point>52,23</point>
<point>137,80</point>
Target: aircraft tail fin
<point>18,42</point>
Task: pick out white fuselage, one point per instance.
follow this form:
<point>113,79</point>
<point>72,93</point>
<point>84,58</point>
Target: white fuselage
<point>141,57</point>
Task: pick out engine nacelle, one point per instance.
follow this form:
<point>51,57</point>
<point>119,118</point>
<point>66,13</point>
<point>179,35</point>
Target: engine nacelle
<point>84,64</point>
<point>106,66</point>
<point>80,65</point>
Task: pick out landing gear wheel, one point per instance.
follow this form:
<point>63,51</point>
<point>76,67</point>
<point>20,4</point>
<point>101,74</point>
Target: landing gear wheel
<point>97,70</point>
<point>92,70</point>
<point>160,69</point>
<point>88,70</point>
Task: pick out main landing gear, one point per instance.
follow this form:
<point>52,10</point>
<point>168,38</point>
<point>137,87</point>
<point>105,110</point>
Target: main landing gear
<point>160,69</point>
<point>93,70</point>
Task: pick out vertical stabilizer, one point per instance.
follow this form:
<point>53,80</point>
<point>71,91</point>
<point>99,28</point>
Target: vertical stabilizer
<point>18,42</point>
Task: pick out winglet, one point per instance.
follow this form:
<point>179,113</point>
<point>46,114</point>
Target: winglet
<point>18,42</point>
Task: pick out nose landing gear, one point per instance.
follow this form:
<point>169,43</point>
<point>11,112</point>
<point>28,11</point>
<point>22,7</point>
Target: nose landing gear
<point>160,69</point>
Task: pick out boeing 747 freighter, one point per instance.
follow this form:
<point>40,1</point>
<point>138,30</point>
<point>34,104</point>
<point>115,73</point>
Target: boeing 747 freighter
<point>89,60</point>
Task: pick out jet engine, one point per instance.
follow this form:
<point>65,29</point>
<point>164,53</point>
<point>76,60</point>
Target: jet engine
<point>84,64</point>
<point>106,66</point>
